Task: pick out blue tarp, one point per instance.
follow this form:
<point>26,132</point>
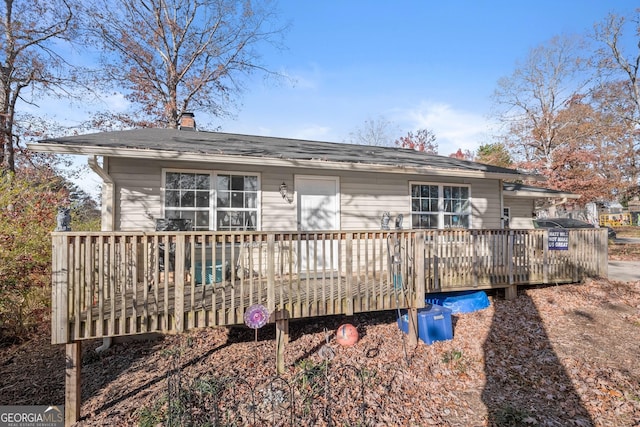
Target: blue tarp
<point>460,302</point>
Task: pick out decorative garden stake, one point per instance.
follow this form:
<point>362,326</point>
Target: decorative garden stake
<point>256,317</point>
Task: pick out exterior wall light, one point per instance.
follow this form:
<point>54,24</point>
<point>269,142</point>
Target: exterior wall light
<point>284,191</point>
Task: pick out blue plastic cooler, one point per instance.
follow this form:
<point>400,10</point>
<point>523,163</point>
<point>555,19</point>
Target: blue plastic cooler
<point>434,323</point>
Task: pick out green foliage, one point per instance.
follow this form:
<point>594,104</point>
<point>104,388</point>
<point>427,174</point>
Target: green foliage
<point>455,360</point>
<point>312,373</point>
<point>28,209</point>
<point>494,154</point>
<point>154,416</point>
<point>85,215</point>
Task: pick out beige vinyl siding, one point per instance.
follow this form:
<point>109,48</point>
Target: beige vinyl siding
<point>277,213</point>
<point>137,193</point>
<point>139,199</point>
<point>521,212</point>
<point>364,196</point>
<point>486,205</point>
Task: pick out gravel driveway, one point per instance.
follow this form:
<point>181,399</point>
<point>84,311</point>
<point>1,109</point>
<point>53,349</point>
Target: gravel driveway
<point>624,271</point>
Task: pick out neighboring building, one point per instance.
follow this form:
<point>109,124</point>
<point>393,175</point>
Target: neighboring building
<point>223,181</point>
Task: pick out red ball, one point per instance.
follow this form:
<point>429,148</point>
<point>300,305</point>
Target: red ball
<point>347,335</point>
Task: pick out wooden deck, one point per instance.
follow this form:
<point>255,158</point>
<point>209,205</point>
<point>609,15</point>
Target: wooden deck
<point>114,284</point>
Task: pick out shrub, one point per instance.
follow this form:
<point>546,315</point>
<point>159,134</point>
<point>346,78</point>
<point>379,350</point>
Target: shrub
<point>28,209</point>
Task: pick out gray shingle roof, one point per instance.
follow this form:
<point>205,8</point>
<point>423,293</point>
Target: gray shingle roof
<point>218,143</point>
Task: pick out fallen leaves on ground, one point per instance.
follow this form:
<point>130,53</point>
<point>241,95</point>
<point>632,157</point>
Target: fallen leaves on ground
<point>556,355</point>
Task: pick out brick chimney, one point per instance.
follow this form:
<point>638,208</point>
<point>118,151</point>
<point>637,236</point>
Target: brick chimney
<point>187,121</point>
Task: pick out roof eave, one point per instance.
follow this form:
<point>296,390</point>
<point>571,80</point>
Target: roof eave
<point>264,161</point>
<point>539,194</point>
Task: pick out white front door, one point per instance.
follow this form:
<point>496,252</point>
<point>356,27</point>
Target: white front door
<point>318,209</point>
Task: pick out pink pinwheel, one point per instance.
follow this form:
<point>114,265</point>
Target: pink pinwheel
<point>256,316</point>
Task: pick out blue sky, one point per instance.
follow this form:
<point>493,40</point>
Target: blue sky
<point>418,64</point>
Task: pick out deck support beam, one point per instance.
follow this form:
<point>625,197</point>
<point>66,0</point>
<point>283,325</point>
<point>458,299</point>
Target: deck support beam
<point>511,292</point>
<point>72,396</point>
<point>282,338</point>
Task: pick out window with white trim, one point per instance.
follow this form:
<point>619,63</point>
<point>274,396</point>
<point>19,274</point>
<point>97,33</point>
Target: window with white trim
<point>236,202</point>
<point>187,196</point>
<point>212,201</point>
<point>440,206</point>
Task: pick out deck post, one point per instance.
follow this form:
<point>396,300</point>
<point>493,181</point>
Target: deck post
<point>437,247</point>
<point>417,291</point>
<point>59,290</point>
<point>349,274</point>
<point>271,272</point>
<point>511,242</point>
<point>72,396</point>
<point>179,278</point>
<point>511,291</point>
<point>281,316</point>
<point>420,291</point>
<point>603,253</point>
<point>282,338</point>
<point>545,256</point>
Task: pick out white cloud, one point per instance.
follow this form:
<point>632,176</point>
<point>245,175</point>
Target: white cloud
<point>301,81</point>
<point>73,112</point>
<point>311,132</point>
<point>454,129</point>
<point>115,102</point>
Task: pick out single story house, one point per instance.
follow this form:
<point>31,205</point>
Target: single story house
<point>303,223</point>
<point>221,181</point>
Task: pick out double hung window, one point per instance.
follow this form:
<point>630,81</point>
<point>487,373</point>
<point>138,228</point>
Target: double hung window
<point>187,196</point>
<point>440,206</point>
<point>236,202</point>
<point>220,201</point>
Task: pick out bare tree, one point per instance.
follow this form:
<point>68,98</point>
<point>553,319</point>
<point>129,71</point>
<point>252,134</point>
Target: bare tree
<point>618,93</point>
<point>532,97</point>
<point>30,65</point>
<point>373,132</point>
<point>463,155</point>
<point>174,56</point>
<point>556,124</point>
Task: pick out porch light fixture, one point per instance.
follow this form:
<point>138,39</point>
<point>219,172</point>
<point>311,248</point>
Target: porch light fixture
<point>283,192</point>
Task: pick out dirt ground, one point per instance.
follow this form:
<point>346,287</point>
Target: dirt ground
<point>555,356</point>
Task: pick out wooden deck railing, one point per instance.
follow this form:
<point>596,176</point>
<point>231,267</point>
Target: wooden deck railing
<point>122,283</point>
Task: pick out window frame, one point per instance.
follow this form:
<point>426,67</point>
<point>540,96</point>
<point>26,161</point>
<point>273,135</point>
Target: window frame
<point>164,189</point>
<point>257,208</point>
<point>441,213</point>
<point>212,208</point>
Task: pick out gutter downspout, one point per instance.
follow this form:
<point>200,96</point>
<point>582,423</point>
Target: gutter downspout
<point>501,191</point>
<point>108,218</point>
